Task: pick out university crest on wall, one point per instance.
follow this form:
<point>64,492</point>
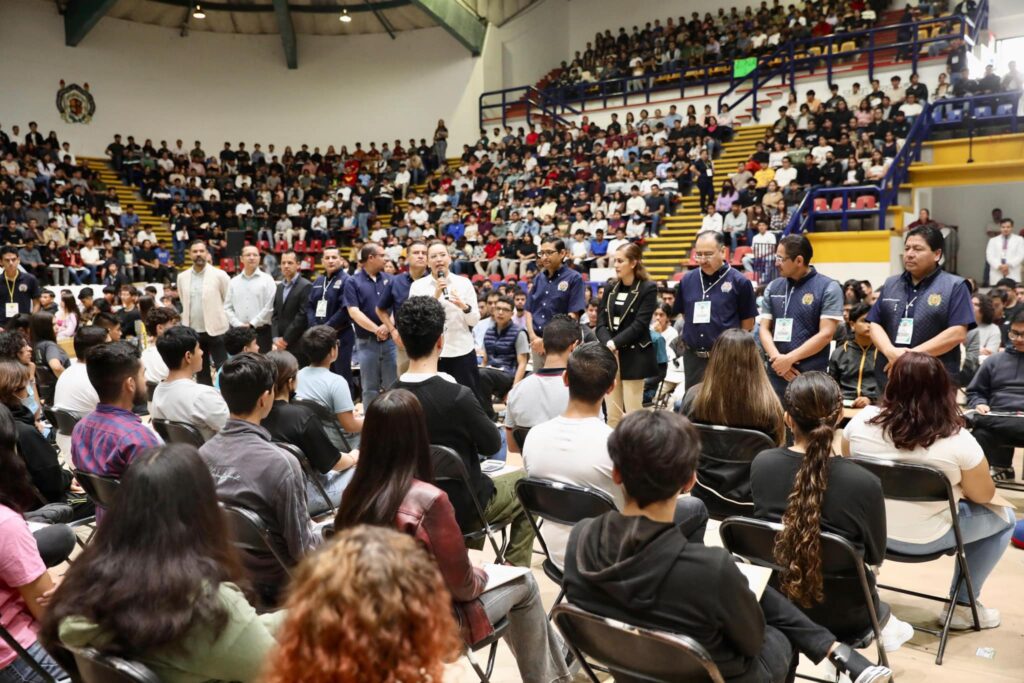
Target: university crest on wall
<point>75,103</point>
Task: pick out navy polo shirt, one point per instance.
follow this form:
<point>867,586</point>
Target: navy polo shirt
<point>732,301</point>
<point>396,291</point>
<point>938,302</point>
<point>549,296</point>
<point>364,293</point>
<point>806,301</point>
<point>330,288</point>
<point>23,290</point>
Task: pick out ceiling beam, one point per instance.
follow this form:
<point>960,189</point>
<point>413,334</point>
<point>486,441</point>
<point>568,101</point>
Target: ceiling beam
<point>287,29</point>
<point>295,8</point>
<point>462,24</point>
<point>81,16</point>
<point>381,19</point>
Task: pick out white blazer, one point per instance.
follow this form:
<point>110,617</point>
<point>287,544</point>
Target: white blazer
<point>215,290</point>
<point>1014,255</point>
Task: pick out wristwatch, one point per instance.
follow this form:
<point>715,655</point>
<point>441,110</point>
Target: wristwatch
<point>467,309</point>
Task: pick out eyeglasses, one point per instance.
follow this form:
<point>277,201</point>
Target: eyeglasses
<point>1013,334</point>
<point>547,252</point>
<point>703,255</point>
<point>780,259</point>
<point>502,309</point>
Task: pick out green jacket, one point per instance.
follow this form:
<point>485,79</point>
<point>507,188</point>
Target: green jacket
<point>237,655</point>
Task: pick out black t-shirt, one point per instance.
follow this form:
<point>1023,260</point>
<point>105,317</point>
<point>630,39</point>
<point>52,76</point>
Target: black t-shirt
<point>128,320</point>
<point>299,426</point>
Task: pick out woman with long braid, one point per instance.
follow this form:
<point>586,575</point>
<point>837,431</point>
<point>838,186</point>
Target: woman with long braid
<point>810,491</point>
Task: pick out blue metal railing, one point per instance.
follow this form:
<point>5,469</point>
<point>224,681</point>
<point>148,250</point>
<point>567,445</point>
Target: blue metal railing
<point>995,108</point>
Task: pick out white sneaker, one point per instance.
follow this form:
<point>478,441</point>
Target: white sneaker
<point>895,633</point>
<point>988,617</point>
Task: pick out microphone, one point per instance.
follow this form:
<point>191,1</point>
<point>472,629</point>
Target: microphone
<point>441,274</point>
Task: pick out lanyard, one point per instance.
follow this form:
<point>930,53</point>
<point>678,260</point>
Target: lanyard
<point>789,294</point>
<point>705,290</point>
<point>10,286</point>
<point>327,286</point>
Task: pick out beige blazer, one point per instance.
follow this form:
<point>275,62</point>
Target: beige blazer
<point>215,290</point>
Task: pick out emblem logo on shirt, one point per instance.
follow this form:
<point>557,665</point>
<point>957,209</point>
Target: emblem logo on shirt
<point>807,299</point>
<point>337,284</point>
<point>934,299</point>
<point>23,288</point>
<point>563,286</point>
<point>727,287</point>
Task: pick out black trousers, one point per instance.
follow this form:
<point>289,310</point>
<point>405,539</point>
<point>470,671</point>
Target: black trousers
<point>343,366</point>
<point>788,632</point>
<point>55,542</point>
<point>264,338</point>
<point>494,384</point>
<point>998,435</point>
<point>694,367</point>
<point>213,355</point>
<point>464,370</point>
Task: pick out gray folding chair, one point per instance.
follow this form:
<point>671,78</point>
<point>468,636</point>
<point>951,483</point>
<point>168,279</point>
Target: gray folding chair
<point>723,472</point>
<point>452,477</point>
<point>178,432</point>
<point>309,471</point>
<point>329,421</point>
<point>95,667</point>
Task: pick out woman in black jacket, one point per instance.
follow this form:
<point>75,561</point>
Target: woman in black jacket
<point>624,326</point>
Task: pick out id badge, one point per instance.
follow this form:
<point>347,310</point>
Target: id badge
<point>783,330</point>
<point>321,308</point>
<point>905,332</point>
<point>702,312</point>
<point>10,310</point>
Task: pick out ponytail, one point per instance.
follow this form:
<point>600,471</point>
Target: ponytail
<point>814,404</point>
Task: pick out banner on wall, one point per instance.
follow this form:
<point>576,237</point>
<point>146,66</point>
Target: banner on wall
<point>75,103</point>
<point>742,67</point>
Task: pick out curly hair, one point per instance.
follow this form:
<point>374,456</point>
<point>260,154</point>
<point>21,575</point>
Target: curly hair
<point>370,607</point>
<point>814,405</point>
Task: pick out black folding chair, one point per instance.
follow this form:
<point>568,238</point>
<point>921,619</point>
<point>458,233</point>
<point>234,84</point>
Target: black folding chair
<point>95,667</point>
<point>178,432</point>
<point>631,653</point>
<point>61,420</point>
<point>308,470</point>
<point>841,562</point>
<point>452,477</point>
<point>150,390</point>
<point>723,471</point>
<point>559,503</point>
<point>917,482</point>
<point>329,421</point>
<point>46,382</point>
<point>250,534</point>
<point>23,654</point>
<point>491,642</point>
<point>519,436</point>
<point>101,490</point>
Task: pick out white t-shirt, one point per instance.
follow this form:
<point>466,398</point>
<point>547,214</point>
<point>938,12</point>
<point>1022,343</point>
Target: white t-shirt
<point>74,392</point>
<point>571,451</point>
<point>185,400</point>
<point>540,397</point>
<point>913,522</point>
<point>156,369</point>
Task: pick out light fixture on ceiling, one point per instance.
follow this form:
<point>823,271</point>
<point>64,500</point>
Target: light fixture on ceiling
<point>344,18</point>
<point>197,12</point>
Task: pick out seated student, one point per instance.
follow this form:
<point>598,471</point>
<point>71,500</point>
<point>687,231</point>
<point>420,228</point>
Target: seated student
<point>735,362</point>
<point>299,426</point>
<point>852,364</point>
<point>506,350</point>
<point>180,610</point>
<point>810,491</point>
<point>158,321</point>
<point>23,575</point>
<point>251,472</point>
<point>179,398</point>
<point>637,566</point>
<point>317,383</point>
<point>392,487</point>
<point>237,340</point>
<point>999,387</point>
<point>108,322</point>
<point>105,441</point>
<point>543,395</point>
<point>918,420</point>
<point>456,420</point>
<point>129,315</point>
<point>572,448</point>
<point>74,392</point>
<point>46,352</point>
<point>356,575</point>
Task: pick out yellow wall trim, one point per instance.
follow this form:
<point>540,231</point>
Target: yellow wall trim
<point>851,247</point>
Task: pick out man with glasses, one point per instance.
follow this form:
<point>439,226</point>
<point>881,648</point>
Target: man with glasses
<point>713,298</point>
<point>506,350</point>
<point>996,395</point>
<point>378,368</point>
<point>556,289</point>
<point>799,314</point>
<point>21,292</point>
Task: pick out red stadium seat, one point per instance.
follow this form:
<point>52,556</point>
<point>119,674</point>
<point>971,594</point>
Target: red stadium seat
<point>316,246</point>
<point>331,244</point>
<point>477,278</point>
<point>494,277</point>
<point>820,204</point>
<point>228,265</point>
<point>678,276</point>
<point>737,259</point>
<point>300,247</point>
<point>263,246</point>
<point>280,247</point>
<point>866,201</point>
<point>307,264</point>
<point>837,204</point>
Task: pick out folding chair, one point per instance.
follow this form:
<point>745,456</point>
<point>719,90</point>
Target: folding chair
<point>329,422</point>
<point>63,421</point>
<point>308,470</point>
<point>94,667</point>
<point>841,564</point>
<point>150,390</point>
<point>451,476</point>
<point>22,653</point>
<point>101,490</point>
<point>46,382</point>
<point>631,653</point>
<point>519,436</point>
<point>178,432</point>
<point>491,642</point>
<point>250,535</point>
<point>559,503</point>
<point>917,482</point>
<point>723,472</point>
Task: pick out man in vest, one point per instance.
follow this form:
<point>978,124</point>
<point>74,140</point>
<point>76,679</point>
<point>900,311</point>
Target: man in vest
<point>799,314</point>
<point>327,307</point>
<point>923,309</point>
<point>506,350</point>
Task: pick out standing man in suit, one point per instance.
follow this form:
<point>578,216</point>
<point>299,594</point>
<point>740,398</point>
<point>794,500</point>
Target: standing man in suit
<point>202,290</point>
<point>291,304</point>
<point>326,307</point>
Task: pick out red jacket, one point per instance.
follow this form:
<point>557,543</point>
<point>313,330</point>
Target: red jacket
<point>427,515</point>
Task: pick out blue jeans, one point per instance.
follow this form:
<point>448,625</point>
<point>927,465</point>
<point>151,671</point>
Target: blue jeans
<point>986,535</point>
<point>19,670</point>
<point>334,484</point>
<point>378,366</point>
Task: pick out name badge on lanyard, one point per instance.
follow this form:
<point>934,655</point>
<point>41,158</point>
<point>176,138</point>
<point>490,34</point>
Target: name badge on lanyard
<point>10,310</point>
<point>702,312</point>
<point>321,308</point>
<point>783,330</point>
<point>905,332</point>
